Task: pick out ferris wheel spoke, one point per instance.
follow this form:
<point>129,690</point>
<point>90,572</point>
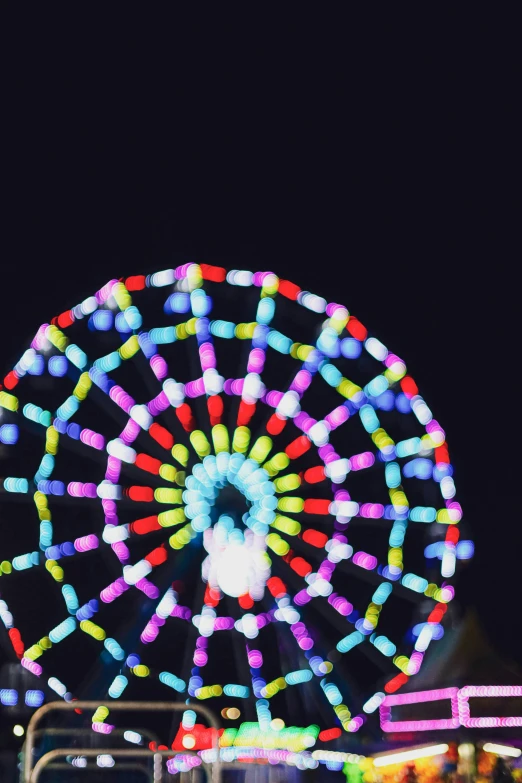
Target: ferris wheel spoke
<point>241,662</point>
<point>95,378</point>
<point>210,382</point>
<point>80,441</point>
<point>144,526</point>
<point>304,641</point>
<point>250,388</point>
<point>206,623</point>
<point>196,606</point>
<point>375,579</point>
<point>166,607</point>
<point>310,695</point>
<point>321,610</point>
<point>383,642</point>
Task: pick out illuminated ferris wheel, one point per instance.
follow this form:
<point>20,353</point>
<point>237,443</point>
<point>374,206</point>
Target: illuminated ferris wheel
<point>220,485</point>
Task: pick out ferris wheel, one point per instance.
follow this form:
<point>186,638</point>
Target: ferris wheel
<point>219,486</point>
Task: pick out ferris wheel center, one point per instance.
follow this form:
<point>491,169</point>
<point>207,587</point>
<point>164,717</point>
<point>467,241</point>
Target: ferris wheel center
<point>237,561</point>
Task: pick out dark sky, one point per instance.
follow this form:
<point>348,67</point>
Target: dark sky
<point>385,181</point>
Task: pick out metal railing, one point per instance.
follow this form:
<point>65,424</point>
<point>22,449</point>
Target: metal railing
<point>73,733</point>
<point>150,735</point>
<point>45,761</point>
<point>30,776</point>
<point>266,773</point>
<point>120,768</point>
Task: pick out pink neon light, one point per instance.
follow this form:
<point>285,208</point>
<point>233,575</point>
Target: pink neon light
<point>492,723</point>
<point>491,690</point>
<point>420,696</point>
<point>419,725</point>
<point>460,709</point>
<point>415,698</point>
<point>485,691</point>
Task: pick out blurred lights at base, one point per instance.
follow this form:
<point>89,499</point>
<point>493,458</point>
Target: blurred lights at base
<point>133,736</point>
<point>78,761</point>
<point>18,730</point>
<point>502,750</point>
<point>105,760</point>
<point>410,755</point>
<point>332,755</point>
<point>466,750</point>
<point>230,713</point>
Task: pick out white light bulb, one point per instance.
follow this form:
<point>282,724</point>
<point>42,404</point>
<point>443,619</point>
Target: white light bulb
<point>234,571</point>
<point>289,404</point>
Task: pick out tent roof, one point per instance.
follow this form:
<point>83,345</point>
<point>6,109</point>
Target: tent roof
<point>464,656</point>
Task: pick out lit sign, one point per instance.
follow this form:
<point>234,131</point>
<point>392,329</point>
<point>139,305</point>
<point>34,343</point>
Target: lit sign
<point>459,706</point>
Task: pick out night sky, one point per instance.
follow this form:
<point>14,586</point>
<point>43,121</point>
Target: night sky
<point>387,189</point>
